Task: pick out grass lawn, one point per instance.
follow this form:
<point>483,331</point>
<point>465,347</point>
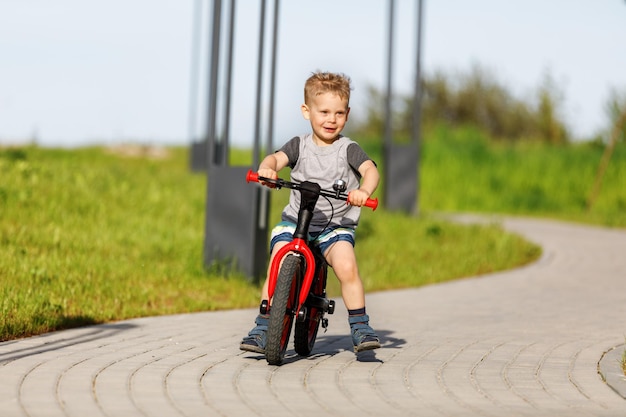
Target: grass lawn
<point>93,235</point>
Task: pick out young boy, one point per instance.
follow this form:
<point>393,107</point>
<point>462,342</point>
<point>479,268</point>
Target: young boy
<point>323,156</point>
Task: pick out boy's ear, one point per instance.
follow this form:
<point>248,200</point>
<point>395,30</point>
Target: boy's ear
<point>305,111</point>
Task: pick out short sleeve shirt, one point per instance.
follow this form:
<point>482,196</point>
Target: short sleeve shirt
<point>324,165</point>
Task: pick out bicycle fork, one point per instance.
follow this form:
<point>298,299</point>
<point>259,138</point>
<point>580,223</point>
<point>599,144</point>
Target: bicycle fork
<point>317,303</point>
<point>306,297</point>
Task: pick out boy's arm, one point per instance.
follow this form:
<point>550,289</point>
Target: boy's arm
<point>273,163</point>
<point>369,182</point>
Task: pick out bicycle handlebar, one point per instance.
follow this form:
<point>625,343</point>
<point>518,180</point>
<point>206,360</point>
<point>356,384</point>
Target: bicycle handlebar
<point>279,183</point>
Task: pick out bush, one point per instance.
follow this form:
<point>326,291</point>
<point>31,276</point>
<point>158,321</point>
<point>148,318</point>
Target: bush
<point>478,99</point>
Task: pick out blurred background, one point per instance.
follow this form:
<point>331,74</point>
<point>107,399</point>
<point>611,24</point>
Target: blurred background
<point>523,113</point>
<point>74,73</point>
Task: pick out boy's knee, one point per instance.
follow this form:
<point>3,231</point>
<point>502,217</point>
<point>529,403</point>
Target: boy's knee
<point>346,270</point>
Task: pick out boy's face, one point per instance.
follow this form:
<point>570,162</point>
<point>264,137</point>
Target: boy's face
<point>328,114</point>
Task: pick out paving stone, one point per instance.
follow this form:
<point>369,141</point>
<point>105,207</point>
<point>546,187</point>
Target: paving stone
<point>526,342</point>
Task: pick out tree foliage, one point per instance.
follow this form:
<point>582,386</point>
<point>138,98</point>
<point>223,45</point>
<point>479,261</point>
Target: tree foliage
<point>616,113</point>
<point>476,98</point>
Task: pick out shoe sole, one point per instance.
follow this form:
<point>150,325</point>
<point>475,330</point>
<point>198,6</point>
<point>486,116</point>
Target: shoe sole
<point>251,348</point>
<point>367,346</point>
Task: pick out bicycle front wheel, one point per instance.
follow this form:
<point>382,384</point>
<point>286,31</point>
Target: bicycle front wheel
<point>306,330</point>
<point>282,310</point>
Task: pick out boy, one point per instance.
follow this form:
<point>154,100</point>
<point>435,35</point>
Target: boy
<point>323,156</point>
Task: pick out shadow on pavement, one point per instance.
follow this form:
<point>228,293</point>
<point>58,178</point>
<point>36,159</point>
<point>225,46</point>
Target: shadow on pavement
<point>326,346</point>
<point>58,340</point>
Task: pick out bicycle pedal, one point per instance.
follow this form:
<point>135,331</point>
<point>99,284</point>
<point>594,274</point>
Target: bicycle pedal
<point>325,324</point>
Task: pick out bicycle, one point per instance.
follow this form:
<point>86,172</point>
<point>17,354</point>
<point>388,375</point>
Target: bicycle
<point>298,275</point>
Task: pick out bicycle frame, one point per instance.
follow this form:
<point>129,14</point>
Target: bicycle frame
<point>301,289</point>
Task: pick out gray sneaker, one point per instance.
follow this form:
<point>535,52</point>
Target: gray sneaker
<point>256,339</point>
<point>363,336</point>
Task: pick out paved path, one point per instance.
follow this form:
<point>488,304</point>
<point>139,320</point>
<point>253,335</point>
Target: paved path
<point>522,343</point>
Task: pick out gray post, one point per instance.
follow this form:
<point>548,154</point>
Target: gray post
<point>259,87</point>
<point>416,131</point>
<point>401,160</point>
<point>193,76</point>
<point>198,150</point>
<point>236,212</point>
<point>213,77</point>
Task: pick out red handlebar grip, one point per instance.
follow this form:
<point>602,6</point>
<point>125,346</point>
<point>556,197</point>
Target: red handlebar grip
<point>252,176</point>
<point>372,203</point>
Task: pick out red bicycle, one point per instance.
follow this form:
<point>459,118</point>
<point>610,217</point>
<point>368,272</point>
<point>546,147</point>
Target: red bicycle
<point>297,276</point>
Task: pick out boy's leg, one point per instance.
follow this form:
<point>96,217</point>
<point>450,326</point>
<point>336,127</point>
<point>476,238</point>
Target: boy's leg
<point>256,339</point>
<point>363,336</point>
<point>341,258</point>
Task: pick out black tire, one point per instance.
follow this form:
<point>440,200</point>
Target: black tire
<point>306,332</point>
<point>282,311</point>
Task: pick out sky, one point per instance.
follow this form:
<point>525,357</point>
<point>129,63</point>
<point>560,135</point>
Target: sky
<point>75,73</point>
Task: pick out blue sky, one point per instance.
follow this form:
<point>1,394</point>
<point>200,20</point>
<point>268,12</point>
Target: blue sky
<point>110,71</point>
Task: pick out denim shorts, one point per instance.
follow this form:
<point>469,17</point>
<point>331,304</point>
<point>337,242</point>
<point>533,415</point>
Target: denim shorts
<point>283,232</point>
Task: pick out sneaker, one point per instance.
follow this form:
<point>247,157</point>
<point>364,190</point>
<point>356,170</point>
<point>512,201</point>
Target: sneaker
<point>256,339</point>
<point>363,336</point>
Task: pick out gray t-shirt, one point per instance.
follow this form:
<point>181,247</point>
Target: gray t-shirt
<point>324,165</point>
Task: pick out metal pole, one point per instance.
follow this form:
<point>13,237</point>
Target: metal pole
<point>213,76</point>
<point>270,122</point>
<point>225,145</point>
<point>257,122</point>
<point>417,100</point>
<point>193,76</point>
<point>400,159</point>
<point>388,125</point>
<point>236,213</point>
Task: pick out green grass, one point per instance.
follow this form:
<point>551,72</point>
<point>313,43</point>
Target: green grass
<point>90,236</point>
<point>397,251</point>
<point>462,171</point>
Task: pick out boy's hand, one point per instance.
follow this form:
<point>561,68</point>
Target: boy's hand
<point>267,173</point>
<point>358,197</point>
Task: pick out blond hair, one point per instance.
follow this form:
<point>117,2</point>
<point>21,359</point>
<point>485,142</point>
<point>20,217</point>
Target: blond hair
<point>327,82</point>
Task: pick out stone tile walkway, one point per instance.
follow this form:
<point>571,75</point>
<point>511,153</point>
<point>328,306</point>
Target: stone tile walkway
<point>527,342</point>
